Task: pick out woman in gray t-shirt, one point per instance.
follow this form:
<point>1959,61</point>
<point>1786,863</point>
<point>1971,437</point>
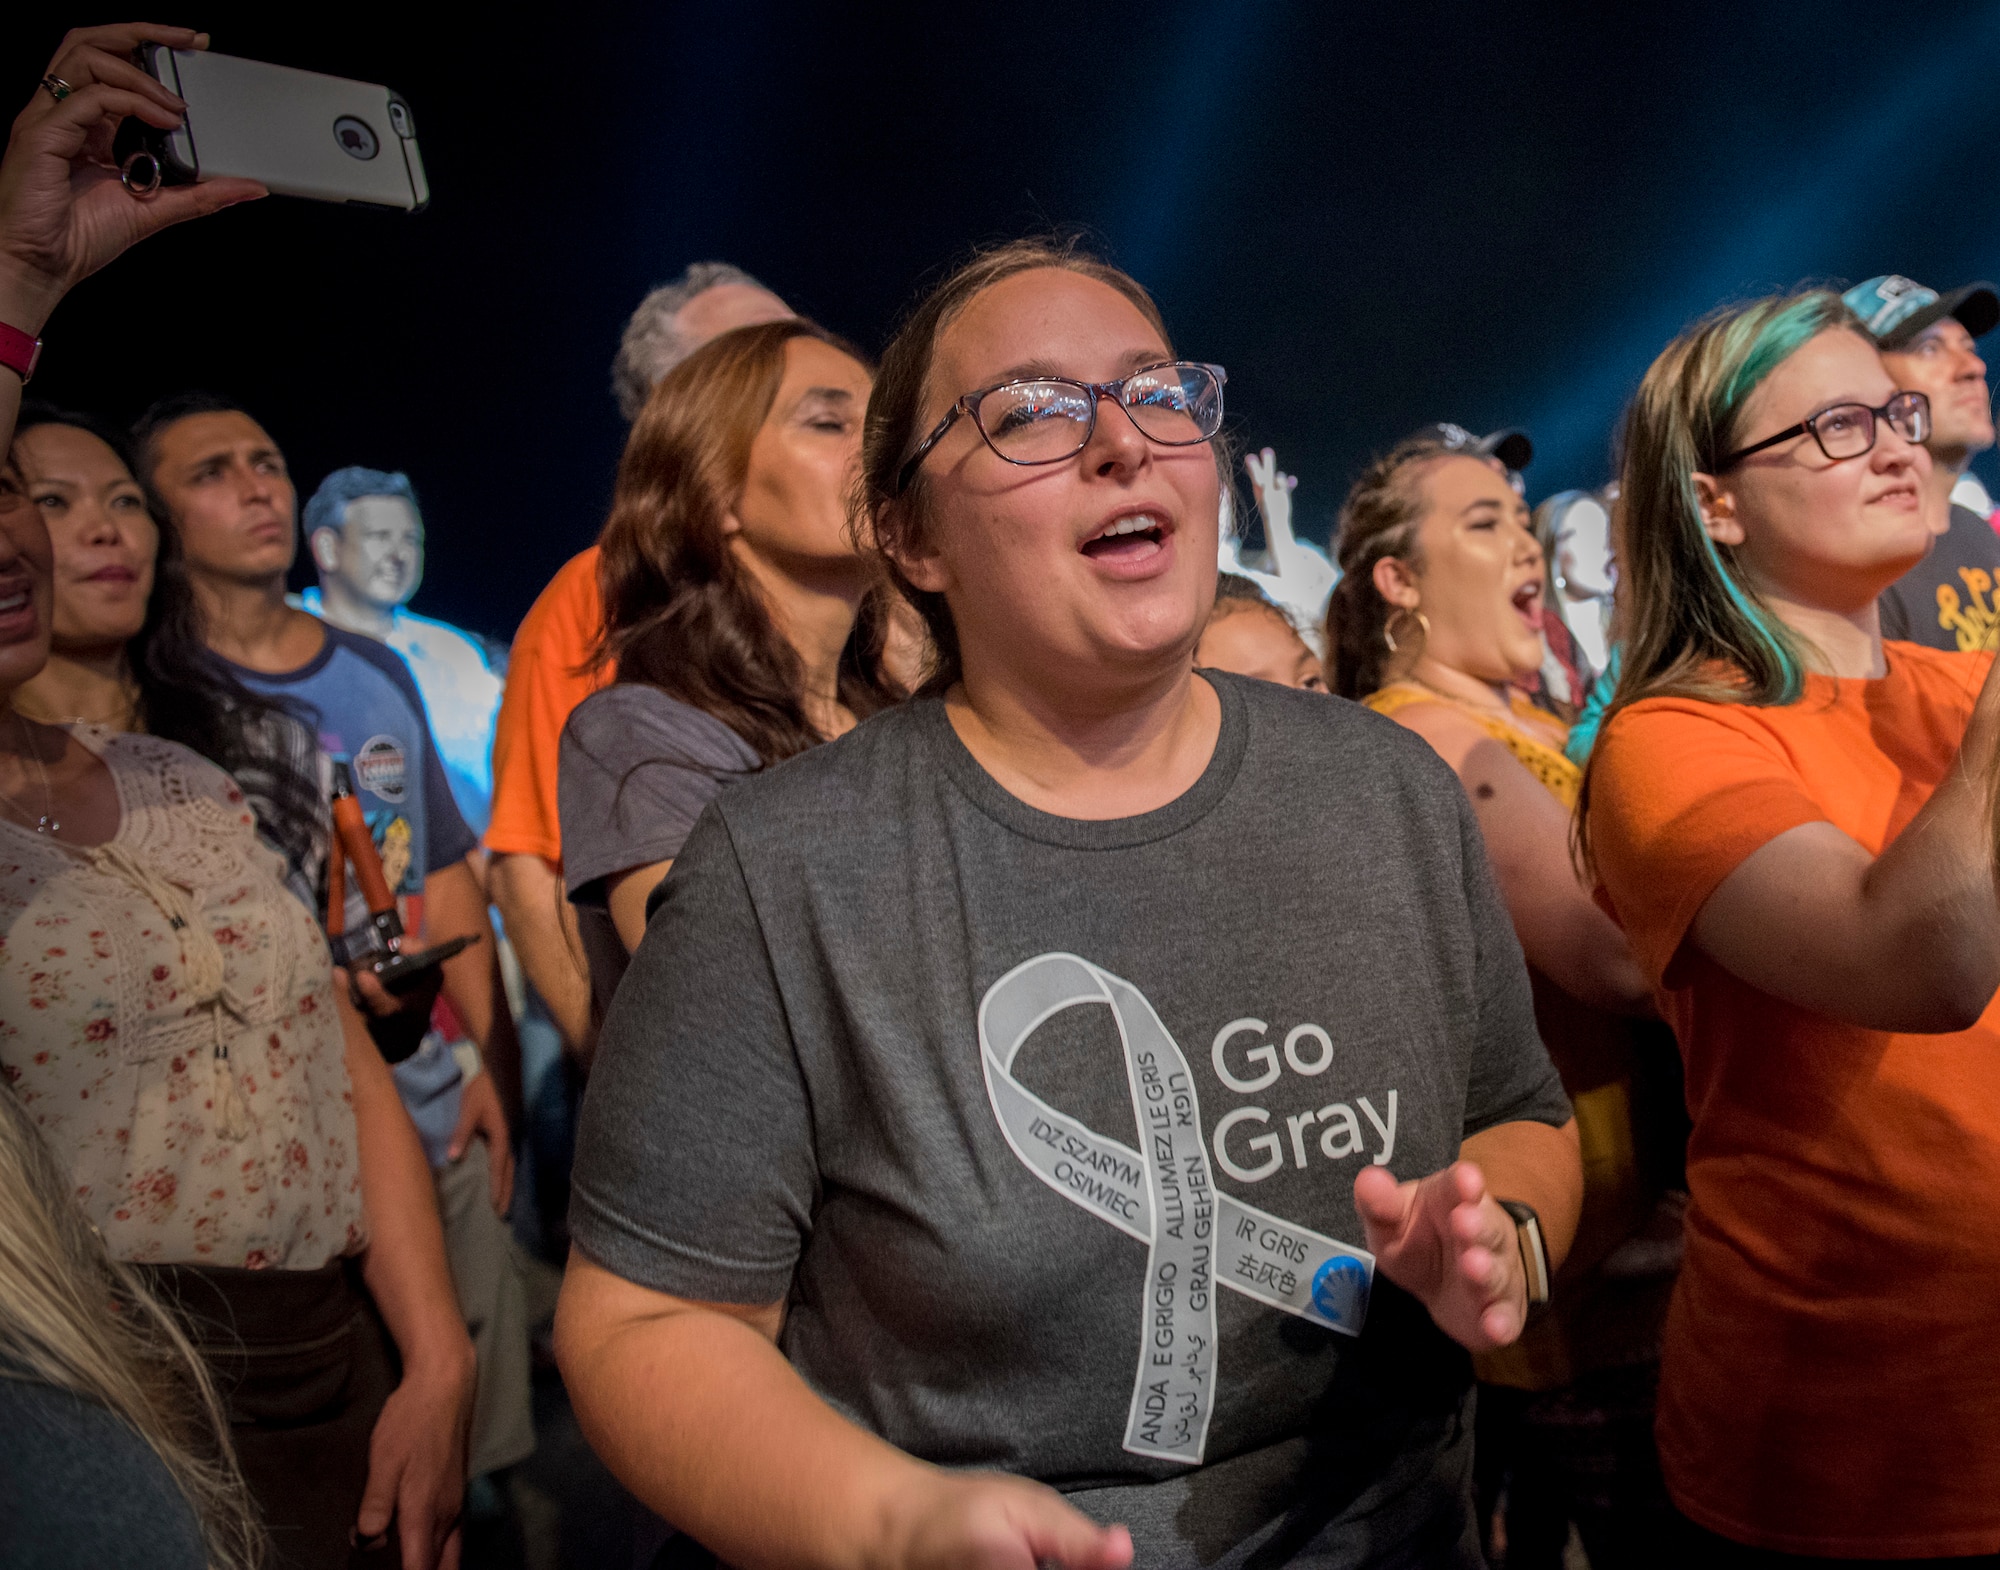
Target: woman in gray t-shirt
<point>731,591</point>
<point>1042,1107</point>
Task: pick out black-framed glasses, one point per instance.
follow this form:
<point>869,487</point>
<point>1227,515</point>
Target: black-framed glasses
<point>1046,419</point>
<point>1847,430</point>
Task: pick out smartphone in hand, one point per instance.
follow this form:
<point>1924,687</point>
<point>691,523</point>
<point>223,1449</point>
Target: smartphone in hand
<point>296,132</point>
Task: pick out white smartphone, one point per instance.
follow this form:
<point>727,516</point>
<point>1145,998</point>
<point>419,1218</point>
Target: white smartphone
<point>297,132</point>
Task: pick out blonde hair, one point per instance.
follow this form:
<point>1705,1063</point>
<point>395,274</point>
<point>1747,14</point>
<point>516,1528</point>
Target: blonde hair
<point>73,1317</point>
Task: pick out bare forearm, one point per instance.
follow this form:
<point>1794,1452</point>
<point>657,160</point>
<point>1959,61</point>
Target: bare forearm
<point>1538,1166</point>
<point>1928,901</point>
<point>1908,940</point>
<point>405,1265</point>
<point>1582,951</point>
<point>529,893</point>
<point>25,308</point>
<point>702,1418</point>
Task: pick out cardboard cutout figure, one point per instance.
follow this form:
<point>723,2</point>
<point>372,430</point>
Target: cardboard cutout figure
<point>367,541</point>
<point>1581,568</point>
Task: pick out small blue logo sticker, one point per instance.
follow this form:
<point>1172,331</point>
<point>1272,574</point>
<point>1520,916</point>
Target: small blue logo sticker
<point>1340,1291</point>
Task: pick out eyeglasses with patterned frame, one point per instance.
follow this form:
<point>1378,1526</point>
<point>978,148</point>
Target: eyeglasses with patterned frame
<point>1045,419</point>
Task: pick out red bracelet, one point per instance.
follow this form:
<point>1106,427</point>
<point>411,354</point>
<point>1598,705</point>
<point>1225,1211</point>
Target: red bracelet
<point>18,352</point>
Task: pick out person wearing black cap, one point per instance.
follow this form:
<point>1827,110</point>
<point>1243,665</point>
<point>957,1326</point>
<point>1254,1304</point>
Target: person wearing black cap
<point>1949,599</point>
<point>1508,450</point>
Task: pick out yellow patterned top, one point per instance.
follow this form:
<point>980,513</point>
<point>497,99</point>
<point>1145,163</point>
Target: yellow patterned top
<point>1542,758</point>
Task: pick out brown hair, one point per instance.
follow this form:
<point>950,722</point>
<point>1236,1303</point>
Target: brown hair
<point>1378,519</point>
<point>903,523</point>
<point>1692,624</point>
<point>680,613</point>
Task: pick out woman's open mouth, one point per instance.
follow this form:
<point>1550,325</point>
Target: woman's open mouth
<point>1527,603</point>
<point>1132,538</point>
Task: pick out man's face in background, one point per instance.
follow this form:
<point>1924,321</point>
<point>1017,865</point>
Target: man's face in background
<point>377,553</point>
<point>1944,364</point>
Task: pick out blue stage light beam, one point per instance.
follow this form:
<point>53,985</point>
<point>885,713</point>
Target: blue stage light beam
<point>1841,177</point>
<point>1178,132</point>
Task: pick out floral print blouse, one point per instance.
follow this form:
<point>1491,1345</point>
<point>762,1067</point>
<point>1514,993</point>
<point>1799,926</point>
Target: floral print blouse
<point>167,1018</point>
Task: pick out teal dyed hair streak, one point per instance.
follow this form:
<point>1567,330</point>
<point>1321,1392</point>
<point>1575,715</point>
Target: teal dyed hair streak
<point>1758,341</point>
<point>1791,676</point>
<point>1583,734</point>
<point>1689,625</point>
<point>1762,339</point>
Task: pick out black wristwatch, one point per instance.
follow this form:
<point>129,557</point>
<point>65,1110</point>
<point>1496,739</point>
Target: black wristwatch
<point>1534,1253</point>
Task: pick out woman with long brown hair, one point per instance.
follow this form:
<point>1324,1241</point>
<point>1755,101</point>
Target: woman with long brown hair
<point>732,588</point>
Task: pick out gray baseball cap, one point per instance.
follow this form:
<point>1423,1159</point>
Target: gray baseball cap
<point>1510,446</point>
<point>1895,309</point>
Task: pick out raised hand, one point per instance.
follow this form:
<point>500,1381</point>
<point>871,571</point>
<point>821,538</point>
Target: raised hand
<point>1446,1241</point>
<point>1274,500</point>
<point>1300,578</point>
<point>63,211</point>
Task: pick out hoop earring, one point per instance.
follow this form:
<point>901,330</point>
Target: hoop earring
<point>1389,637</point>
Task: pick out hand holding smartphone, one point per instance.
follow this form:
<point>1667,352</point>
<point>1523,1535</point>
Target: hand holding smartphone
<point>402,970</point>
<point>298,133</point>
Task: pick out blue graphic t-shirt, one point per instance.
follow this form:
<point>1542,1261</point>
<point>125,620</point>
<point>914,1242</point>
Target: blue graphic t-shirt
<point>366,708</point>
<point>461,693</point>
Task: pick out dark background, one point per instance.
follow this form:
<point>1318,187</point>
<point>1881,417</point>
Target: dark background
<point>1374,217</point>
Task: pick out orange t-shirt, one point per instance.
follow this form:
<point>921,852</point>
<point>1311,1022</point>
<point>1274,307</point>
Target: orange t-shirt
<point>545,681</point>
<point>1831,1382</point>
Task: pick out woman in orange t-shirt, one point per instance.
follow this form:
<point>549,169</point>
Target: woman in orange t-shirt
<point>1789,818</point>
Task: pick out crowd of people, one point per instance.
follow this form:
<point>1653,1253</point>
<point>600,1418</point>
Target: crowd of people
<point>1540,962</point>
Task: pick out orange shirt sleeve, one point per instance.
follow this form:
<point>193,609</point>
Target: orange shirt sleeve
<point>1681,793</point>
<point>545,681</point>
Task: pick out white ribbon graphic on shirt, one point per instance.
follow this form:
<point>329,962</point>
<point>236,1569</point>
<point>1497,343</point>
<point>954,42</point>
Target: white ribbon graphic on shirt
<point>1163,1195</point>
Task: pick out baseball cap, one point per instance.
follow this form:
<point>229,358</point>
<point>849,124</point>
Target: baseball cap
<point>1510,446</point>
<point>1895,309</point>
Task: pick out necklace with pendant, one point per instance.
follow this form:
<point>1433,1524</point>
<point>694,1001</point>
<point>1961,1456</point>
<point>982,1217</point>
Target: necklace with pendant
<point>47,822</point>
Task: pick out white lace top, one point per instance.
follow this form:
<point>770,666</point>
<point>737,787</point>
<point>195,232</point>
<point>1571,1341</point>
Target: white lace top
<point>167,1018</point>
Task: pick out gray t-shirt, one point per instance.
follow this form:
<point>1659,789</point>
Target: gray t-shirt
<point>848,1070</point>
<point>635,770</point>
<point>1948,599</point>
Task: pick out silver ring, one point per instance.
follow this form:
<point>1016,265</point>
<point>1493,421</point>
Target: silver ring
<point>58,89</point>
<point>141,174</point>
